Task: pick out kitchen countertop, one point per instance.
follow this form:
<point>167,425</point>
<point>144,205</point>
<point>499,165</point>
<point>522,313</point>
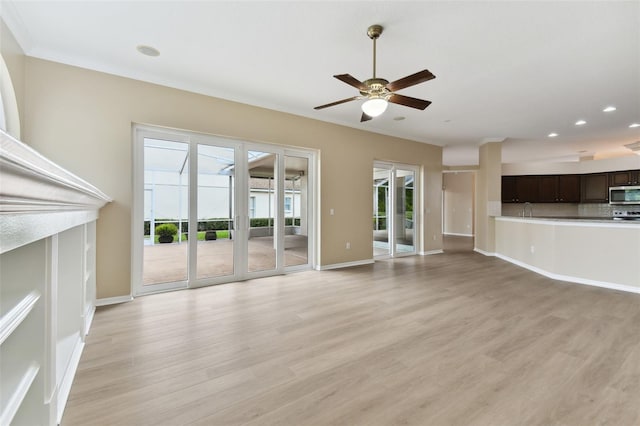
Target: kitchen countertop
<point>576,218</point>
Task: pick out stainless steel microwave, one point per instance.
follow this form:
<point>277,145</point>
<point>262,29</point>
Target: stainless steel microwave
<point>624,195</point>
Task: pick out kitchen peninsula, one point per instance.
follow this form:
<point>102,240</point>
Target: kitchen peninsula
<point>595,251</point>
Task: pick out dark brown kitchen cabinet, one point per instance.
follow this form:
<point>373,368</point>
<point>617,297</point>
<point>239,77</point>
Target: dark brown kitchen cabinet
<point>527,189</point>
<point>568,189</point>
<point>559,189</point>
<point>594,188</point>
<point>519,189</point>
<point>509,190</point>
<point>547,189</point>
<point>626,177</point>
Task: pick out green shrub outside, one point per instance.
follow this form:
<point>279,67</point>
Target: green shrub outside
<point>166,229</point>
<point>217,224</point>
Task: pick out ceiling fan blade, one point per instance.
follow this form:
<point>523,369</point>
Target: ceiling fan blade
<point>365,117</point>
<point>409,101</point>
<point>337,102</point>
<point>411,80</point>
<point>351,81</point>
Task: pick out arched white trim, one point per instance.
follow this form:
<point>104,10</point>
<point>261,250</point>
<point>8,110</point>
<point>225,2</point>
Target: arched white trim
<point>9,116</point>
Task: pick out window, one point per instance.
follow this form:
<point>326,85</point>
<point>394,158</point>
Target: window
<point>287,204</point>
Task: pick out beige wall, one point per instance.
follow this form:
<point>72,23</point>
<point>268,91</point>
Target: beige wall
<point>488,196</point>
<point>459,190</point>
<point>628,162</point>
<point>82,120</point>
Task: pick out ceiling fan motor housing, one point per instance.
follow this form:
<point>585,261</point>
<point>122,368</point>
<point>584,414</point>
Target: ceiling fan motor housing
<point>376,87</point>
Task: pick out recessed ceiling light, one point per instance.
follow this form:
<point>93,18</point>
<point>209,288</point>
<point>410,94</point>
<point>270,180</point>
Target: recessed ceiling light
<point>552,135</point>
<point>148,50</point>
<point>580,122</point>
<point>631,126</point>
<point>609,109</point>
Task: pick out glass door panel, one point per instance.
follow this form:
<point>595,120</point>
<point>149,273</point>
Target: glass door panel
<point>166,211</point>
<point>262,211</point>
<point>215,219</point>
<point>381,194</point>
<point>404,208</point>
<point>296,209</point>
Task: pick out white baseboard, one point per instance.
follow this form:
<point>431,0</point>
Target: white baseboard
<point>455,234</point>
<point>113,300</point>
<point>576,280</point>
<point>344,265</point>
<point>430,252</point>
<point>88,319</point>
<point>486,253</point>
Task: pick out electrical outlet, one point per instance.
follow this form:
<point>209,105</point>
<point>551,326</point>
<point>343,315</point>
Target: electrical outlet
<point>348,245</point>
<point>533,249</point>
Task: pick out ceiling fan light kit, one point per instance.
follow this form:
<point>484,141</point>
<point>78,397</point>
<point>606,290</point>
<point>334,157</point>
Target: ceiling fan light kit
<point>375,106</point>
<point>378,92</point>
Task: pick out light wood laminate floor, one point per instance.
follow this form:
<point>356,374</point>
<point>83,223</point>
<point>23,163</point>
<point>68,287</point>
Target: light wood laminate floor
<point>450,339</point>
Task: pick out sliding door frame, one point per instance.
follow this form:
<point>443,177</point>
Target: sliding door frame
<point>392,200</point>
<point>241,209</point>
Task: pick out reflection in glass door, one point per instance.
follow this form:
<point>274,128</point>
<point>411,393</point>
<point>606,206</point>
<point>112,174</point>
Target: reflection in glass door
<point>262,241</point>
<point>296,209</point>
<point>381,193</point>
<point>404,208</point>
<point>394,212</point>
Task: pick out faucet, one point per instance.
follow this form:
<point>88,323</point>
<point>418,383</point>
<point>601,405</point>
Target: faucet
<point>524,209</point>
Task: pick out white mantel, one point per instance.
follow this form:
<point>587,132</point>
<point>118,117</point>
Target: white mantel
<point>47,281</point>
<point>38,198</point>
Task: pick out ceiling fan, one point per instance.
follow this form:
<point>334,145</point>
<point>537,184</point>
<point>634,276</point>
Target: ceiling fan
<point>379,91</point>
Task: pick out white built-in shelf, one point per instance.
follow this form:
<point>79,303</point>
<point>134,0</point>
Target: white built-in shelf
<point>47,281</point>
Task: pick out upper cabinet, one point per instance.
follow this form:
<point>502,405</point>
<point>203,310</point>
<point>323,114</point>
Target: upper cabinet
<point>568,189</point>
<point>587,188</point>
<point>626,177</point>
<point>559,189</point>
<point>509,189</point>
<point>595,188</point>
<point>541,189</point>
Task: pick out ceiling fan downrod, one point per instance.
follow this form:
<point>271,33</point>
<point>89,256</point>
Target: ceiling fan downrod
<point>374,32</point>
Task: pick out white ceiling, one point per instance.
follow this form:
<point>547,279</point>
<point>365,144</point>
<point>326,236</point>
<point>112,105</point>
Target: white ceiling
<point>504,70</point>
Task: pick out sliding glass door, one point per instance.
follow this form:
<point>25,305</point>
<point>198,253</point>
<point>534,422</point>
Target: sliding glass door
<point>215,204</point>
<point>212,210</point>
<point>394,209</point>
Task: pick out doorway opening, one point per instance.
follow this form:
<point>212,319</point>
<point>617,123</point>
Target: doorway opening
<point>458,211</point>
